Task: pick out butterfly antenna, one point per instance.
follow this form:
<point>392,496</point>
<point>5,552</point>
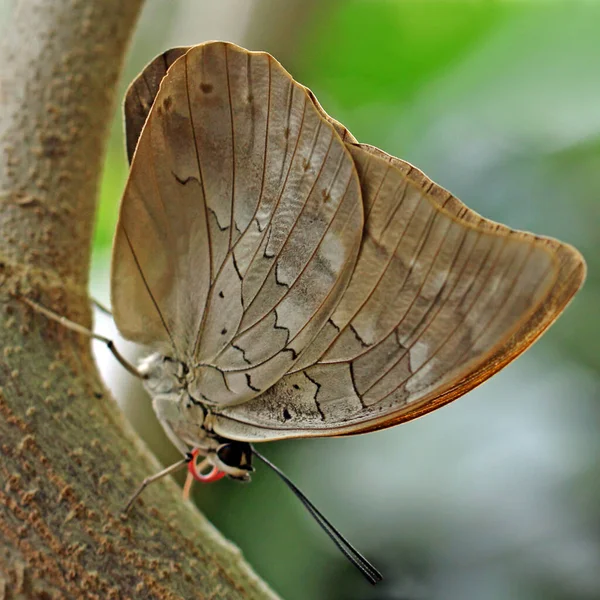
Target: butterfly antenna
<point>351,553</point>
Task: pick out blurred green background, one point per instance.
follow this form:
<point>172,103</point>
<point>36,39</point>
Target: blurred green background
<point>497,495</point>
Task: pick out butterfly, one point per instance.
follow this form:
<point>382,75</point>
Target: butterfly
<point>292,282</point>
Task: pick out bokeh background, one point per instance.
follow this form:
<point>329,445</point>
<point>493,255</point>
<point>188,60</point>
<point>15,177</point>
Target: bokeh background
<point>497,495</point>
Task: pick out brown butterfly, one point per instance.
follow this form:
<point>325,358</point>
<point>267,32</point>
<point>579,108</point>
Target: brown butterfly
<point>293,282</point>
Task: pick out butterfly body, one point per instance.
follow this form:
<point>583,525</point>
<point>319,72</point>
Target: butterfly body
<point>186,419</point>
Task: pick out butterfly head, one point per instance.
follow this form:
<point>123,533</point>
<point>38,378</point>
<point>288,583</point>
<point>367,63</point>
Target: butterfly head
<point>225,458</point>
<point>235,459</point>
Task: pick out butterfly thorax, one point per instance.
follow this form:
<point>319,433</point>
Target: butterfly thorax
<point>168,383</point>
<point>186,419</point>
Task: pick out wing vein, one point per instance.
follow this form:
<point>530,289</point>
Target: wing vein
<point>276,257</point>
<point>141,272</point>
<point>340,329</point>
<point>477,295</point>
<point>232,149</point>
<point>187,88</point>
<point>493,317</point>
<point>210,250</point>
<point>258,245</point>
<point>290,340</point>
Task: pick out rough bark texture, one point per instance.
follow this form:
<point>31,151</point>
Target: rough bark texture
<point>68,460</point>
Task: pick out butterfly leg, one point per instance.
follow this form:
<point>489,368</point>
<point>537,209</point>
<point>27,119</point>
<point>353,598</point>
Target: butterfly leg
<point>101,307</point>
<point>167,409</point>
<point>170,469</point>
<point>85,331</point>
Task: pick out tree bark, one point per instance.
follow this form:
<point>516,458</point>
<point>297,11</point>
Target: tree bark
<point>69,460</point>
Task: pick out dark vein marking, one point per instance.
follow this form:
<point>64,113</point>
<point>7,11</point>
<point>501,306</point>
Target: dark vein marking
<point>267,121</point>
<point>216,218</point>
<point>165,223</point>
<point>249,383</point>
<point>427,312</point>
<point>144,110</point>
<point>258,225</point>
<point>235,266</point>
<point>196,402</point>
<point>353,381</point>
<point>377,193</point>
<point>186,180</point>
<point>358,337</point>
<point>283,328</point>
<point>268,241</point>
<point>243,352</point>
<point>293,352</point>
<point>151,92</point>
<point>303,270</point>
<point>335,175</point>
<point>336,327</point>
<point>401,345</point>
<point>277,281</point>
<point>317,404</point>
<point>415,260</point>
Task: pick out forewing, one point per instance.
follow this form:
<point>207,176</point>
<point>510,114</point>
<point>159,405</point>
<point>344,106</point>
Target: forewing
<point>161,258</point>
<point>439,301</point>
<point>141,93</point>
<point>240,224</point>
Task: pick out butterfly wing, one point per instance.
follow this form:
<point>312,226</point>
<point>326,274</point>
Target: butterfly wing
<point>439,301</point>
<point>141,93</point>
<point>240,223</point>
<point>335,388</point>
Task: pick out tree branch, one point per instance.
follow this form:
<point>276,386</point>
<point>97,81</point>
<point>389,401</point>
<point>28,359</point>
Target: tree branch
<point>69,461</point>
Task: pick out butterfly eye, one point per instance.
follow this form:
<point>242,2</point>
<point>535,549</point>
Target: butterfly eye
<point>236,454</point>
